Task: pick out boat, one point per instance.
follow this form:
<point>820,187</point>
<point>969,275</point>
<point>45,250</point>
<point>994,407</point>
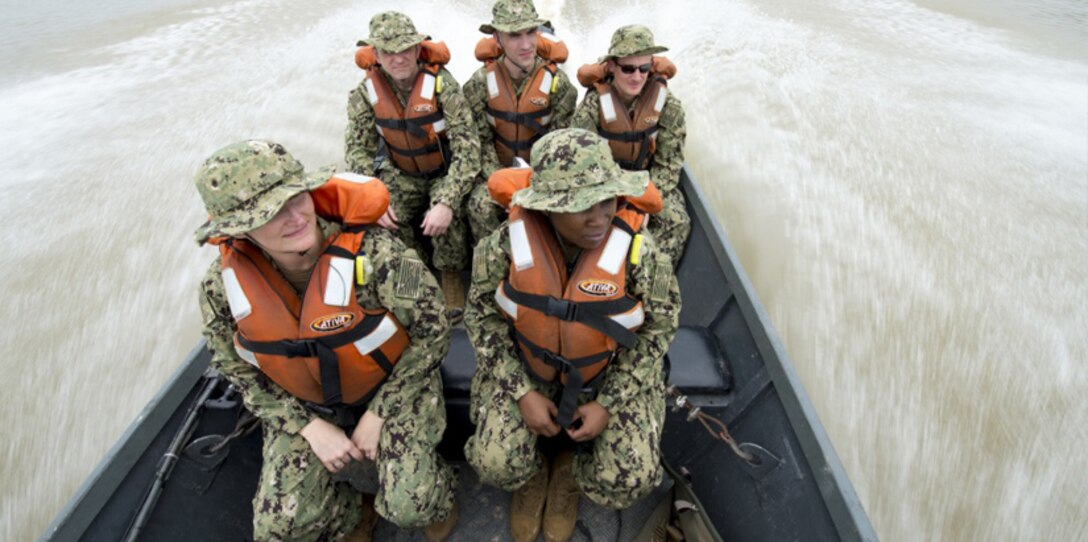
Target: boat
<point>746,454</point>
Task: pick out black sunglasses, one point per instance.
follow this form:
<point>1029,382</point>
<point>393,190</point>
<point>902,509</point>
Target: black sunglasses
<point>629,69</point>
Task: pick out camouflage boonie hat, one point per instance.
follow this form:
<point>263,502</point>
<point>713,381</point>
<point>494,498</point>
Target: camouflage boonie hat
<point>573,170</point>
<point>392,32</point>
<point>245,184</point>
<point>632,40</point>
<point>512,16</point>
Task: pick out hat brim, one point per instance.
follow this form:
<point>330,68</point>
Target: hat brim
<point>257,212</point>
<point>395,45</point>
<point>623,54</point>
<point>624,183</point>
<point>492,27</point>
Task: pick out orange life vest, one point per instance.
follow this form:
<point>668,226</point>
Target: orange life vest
<point>414,134</point>
<point>568,326</point>
<point>323,347</point>
<point>518,121</point>
<point>633,140</point>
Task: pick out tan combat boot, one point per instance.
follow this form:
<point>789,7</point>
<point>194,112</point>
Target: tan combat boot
<point>563,493</point>
<point>439,530</point>
<point>453,289</point>
<point>364,530</point>
<point>527,505</point>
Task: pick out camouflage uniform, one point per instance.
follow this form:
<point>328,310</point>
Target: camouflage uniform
<point>484,216</point>
<point>412,197</point>
<point>672,225</point>
<point>624,463</point>
<point>297,498</point>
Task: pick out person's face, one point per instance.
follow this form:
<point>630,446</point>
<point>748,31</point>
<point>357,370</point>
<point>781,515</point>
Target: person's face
<point>293,229</point>
<point>585,229</point>
<point>629,85</point>
<point>519,47</point>
<point>400,66</point>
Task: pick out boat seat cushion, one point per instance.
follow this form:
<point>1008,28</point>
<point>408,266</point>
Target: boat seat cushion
<point>459,365</point>
<point>695,363</point>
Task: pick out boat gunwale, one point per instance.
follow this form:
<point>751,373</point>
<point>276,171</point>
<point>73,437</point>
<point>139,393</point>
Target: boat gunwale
<point>94,493</point>
<point>838,492</point>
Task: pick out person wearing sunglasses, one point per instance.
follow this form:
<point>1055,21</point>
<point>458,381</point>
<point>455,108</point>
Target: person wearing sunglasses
<point>629,104</point>
<point>517,96</point>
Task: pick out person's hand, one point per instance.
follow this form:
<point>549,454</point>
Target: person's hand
<point>537,411</point>
<point>389,219</point>
<point>367,433</point>
<point>437,220</point>
<point>594,419</point>
<point>330,444</point>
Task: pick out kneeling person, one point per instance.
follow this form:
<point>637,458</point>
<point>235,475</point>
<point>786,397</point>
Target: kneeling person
<point>571,310</point>
<point>320,319</point>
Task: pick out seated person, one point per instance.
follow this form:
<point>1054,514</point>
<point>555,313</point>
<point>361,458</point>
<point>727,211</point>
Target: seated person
<point>332,331</point>
<point>517,96</point>
<point>414,106</point>
<point>571,310</point>
<point>629,104</point>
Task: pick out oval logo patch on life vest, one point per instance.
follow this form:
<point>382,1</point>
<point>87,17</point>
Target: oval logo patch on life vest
<point>423,108</point>
<point>332,322</point>
<point>649,121</point>
<point>539,102</point>
<point>599,288</point>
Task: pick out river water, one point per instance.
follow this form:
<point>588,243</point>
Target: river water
<point>905,182</point>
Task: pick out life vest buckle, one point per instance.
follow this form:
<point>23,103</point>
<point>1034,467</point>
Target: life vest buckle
<point>562,309</point>
<point>561,364</point>
<point>302,348</point>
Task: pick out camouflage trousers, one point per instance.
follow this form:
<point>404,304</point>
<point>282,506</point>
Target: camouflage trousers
<point>297,498</point>
<point>411,199</point>
<point>484,215</point>
<point>623,463</point>
<point>670,228</point>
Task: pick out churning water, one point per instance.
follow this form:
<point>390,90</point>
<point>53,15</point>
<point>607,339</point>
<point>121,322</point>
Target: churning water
<point>906,183</point>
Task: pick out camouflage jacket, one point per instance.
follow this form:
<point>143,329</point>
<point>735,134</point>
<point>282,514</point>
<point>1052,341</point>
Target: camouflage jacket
<point>566,97</point>
<point>498,368</point>
<point>668,159</point>
<point>420,309</point>
<point>361,140</point>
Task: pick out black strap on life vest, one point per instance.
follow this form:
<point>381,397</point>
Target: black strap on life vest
<point>619,223</point>
<point>594,314</point>
<point>442,146</point>
<point>642,137</point>
<point>527,120</point>
<point>346,228</point>
<point>412,153</point>
<point>515,146</point>
<point>413,125</point>
<point>346,416</point>
<point>568,401</point>
<point>322,349</point>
